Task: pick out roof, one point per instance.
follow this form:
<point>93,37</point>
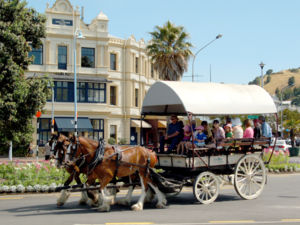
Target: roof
<point>176,97</point>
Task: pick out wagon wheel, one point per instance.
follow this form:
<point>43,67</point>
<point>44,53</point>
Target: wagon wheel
<point>206,187</point>
<point>249,177</point>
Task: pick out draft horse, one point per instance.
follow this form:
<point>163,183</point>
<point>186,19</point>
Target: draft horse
<point>121,162</point>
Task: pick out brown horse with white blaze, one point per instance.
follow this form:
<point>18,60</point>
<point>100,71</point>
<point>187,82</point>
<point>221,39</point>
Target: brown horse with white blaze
<point>120,162</point>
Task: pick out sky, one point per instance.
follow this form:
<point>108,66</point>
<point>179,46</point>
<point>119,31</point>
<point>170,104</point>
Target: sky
<point>253,31</point>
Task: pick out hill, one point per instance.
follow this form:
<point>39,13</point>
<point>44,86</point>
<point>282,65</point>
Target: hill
<point>280,80</point>
<point>275,82</point>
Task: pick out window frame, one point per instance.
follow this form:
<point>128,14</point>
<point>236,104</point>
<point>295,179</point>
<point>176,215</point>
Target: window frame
<point>59,65</point>
<point>97,131</point>
<point>113,64</point>
<point>88,56</point>
<point>41,131</point>
<point>39,51</point>
<point>113,97</point>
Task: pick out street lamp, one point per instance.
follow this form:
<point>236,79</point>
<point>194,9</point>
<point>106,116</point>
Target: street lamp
<point>281,106</point>
<point>77,35</point>
<point>217,37</point>
<point>262,73</point>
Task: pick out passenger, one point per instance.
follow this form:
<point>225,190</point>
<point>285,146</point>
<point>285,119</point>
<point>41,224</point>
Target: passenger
<point>266,130</point>
<point>228,122</point>
<point>174,135</point>
<point>218,131</point>
<point>207,132</point>
<point>257,128</point>
<point>228,131</point>
<point>200,136</point>
<point>249,132</point>
<point>186,137</point>
<point>237,129</point>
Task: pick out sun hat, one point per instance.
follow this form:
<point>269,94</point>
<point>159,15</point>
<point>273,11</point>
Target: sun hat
<point>200,128</point>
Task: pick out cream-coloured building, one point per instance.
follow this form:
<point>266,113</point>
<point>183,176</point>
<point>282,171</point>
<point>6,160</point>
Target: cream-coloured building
<point>113,76</point>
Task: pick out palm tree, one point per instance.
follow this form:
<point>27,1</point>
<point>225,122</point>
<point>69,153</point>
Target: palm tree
<point>169,51</point>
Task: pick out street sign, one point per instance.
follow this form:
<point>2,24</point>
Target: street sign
<point>252,117</point>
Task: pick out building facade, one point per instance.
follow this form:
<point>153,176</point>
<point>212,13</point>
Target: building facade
<point>113,76</point>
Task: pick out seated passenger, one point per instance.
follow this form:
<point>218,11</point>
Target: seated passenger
<point>187,133</point>
<point>228,131</point>
<point>237,129</point>
<point>218,131</point>
<point>200,136</point>
<point>249,132</point>
<point>174,135</point>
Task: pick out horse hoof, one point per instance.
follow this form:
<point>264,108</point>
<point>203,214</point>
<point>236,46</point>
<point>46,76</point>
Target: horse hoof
<point>137,207</point>
<point>59,204</point>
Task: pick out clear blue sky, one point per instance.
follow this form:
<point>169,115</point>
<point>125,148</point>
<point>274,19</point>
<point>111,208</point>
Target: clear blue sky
<point>253,31</point>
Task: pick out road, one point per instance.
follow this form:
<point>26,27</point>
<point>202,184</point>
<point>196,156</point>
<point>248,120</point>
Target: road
<point>278,204</point>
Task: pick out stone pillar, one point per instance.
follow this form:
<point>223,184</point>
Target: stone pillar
<point>98,51</point>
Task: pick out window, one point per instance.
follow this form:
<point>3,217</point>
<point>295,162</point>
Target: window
<point>113,61</point>
<point>37,54</point>
<point>96,92</point>
<point>136,97</point>
<point>136,64</point>
<point>86,92</point>
<point>88,57</point>
<point>62,91</point>
<point>152,70</point>
<point>98,129</point>
<point>81,92</point>
<point>44,131</point>
<point>113,132</point>
<point>62,57</point>
<point>113,95</point>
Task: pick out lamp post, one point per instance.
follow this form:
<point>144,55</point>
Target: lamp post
<point>281,105</point>
<point>262,73</point>
<point>77,35</point>
<point>217,37</point>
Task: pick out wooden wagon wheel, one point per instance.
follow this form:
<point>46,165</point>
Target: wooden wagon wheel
<point>249,176</point>
<point>206,187</point>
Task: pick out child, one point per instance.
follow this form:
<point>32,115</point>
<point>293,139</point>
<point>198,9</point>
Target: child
<point>200,136</point>
<point>228,131</point>
<point>187,137</point>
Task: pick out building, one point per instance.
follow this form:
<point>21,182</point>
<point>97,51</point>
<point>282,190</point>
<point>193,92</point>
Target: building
<point>113,76</point>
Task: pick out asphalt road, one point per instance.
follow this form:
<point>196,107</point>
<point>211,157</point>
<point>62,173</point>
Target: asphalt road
<point>278,204</point>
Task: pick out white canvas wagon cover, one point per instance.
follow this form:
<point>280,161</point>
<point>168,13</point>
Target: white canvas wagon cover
<point>177,97</point>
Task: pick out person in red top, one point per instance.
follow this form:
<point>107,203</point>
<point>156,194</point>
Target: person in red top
<point>249,132</point>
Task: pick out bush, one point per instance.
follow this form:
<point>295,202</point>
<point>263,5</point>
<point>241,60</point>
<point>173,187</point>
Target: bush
<point>122,141</point>
<point>294,70</point>
<point>111,141</point>
<point>291,81</point>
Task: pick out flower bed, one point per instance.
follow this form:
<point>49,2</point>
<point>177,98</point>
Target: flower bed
<point>29,177</point>
<point>280,161</point>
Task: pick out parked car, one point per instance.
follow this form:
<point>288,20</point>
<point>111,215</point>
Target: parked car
<point>280,145</point>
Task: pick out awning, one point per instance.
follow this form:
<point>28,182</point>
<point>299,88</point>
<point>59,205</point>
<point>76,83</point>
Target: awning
<point>137,123</point>
<point>162,124</point>
<point>175,97</point>
<point>67,124</point>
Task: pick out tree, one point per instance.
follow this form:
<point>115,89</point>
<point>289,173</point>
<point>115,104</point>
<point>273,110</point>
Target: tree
<point>20,98</point>
<point>256,81</point>
<point>292,122</point>
<point>269,72</point>
<point>169,51</point>
<point>291,81</point>
<point>268,79</point>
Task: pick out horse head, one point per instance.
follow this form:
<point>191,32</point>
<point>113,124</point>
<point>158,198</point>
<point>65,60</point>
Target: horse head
<point>62,149</point>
